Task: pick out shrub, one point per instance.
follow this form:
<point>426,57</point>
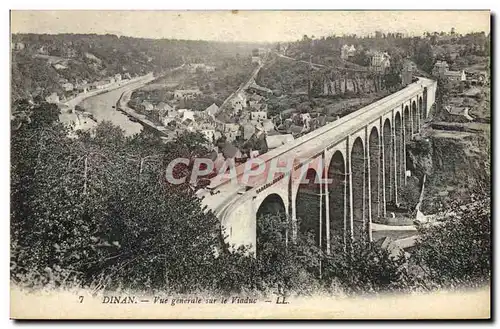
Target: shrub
<point>457,250</point>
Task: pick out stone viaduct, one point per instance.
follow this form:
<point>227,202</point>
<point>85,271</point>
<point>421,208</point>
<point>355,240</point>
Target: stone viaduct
<point>335,179</point>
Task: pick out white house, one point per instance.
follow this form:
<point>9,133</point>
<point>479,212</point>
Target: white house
<point>347,51</point>
<point>53,98</point>
<point>258,115</point>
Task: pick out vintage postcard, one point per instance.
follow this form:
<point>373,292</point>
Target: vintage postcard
<point>250,165</point>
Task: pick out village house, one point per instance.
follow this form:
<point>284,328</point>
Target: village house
<point>83,88</point>
<point>209,134</point>
<point>18,46</point>
<point>118,77</point>
<point>247,130</point>
<point>43,50</point>
<point>193,67</point>
<point>256,89</point>
<point>460,113</point>
<point>256,59</point>
<point>440,68</point>
<point>305,119</point>
<point>185,114</point>
<point>268,125</point>
<point>258,115</point>
<point>380,61</point>
<point>231,131</point>
<point>59,66</point>
<point>165,110</point>
<point>146,107</point>
<point>347,52</point>
<point>212,110</point>
<point>52,98</point>
<point>455,75</point>
<point>67,86</point>
<point>239,102</point>
<point>186,94</point>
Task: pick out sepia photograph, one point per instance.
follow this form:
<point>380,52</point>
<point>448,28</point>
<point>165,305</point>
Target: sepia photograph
<point>250,164</point>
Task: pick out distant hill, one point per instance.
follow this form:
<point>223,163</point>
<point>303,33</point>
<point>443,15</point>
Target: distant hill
<point>42,62</point>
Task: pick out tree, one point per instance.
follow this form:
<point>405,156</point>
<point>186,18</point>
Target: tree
<point>457,250</point>
<point>423,56</point>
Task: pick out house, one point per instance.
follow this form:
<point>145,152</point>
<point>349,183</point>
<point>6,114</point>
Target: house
<point>43,50</point>
<point>165,110</point>
<point>67,86</point>
<point>146,107</point>
<point>268,125</point>
<point>70,52</point>
<point>52,98</point>
<point>193,67</point>
<point>118,77</point>
<point>459,111</point>
<point>275,141</point>
<point>83,88</point>
<point>100,84</point>
<point>305,119</point>
<point>347,51</point>
<point>186,114</point>
<point>380,61</point>
<point>247,130</point>
<point>258,115</point>
<point>256,59</point>
<point>231,131</point>
<point>440,68</point>
<point>256,89</point>
<point>18,46</point>
<point>59,66</point>
<point>209,134</point>
<point>212,110</point>
<point>186,94</point>
<point>455,75</point>
<point>239,102</point>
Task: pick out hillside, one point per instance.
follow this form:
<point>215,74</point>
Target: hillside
<point>41,63</point>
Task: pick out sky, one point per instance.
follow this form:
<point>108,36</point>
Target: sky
<point>252,26</point>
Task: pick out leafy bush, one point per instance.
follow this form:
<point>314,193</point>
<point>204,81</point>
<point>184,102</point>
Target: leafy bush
<point>366,268</point>
<point>457,251</point>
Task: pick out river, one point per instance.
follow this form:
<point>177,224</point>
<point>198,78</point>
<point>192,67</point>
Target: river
<point>101,106</point>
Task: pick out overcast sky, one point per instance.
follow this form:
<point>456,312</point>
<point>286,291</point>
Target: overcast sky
<point>261,26</point>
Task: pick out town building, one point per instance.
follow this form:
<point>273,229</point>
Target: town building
<point>194,67</point>
<point>440,68</point>
<point>347,52</point>
<point>212,110</point>
<point>461,113</point>
<point>258,115</point>
<point>455,75</point>
<point>52,98</point>
<point>380,61</point>
<point>186,94</point>
<point>67,86</point>
<point>231,131</point>
<point>239,102</point>
<point>209,135</point>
